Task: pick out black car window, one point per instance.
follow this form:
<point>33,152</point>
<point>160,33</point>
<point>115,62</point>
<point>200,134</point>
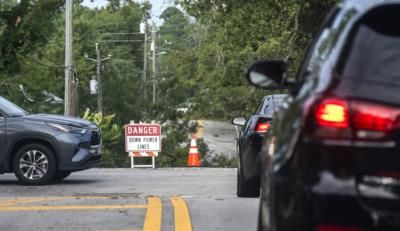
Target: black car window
<point>278,102</point>
<point>269,108</point>
<point>259,108</point>
<point>273,104</point>
<point>372,53</point>
<point>266,108</point>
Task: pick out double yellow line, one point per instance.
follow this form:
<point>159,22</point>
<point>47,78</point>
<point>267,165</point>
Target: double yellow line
<point>181,214</point>
<point>153,218</point>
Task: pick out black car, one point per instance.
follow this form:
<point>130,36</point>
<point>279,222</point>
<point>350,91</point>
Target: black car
<point>250,142</point>
<point>42,148</point>
<point>335,145</point>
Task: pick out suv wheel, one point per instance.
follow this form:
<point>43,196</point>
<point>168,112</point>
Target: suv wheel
<point>34,164</point>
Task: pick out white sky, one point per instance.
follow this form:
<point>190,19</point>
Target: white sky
<point>158,6</point>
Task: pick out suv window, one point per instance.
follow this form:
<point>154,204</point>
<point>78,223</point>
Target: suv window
<point>374,34</point>
<point>10,108</point>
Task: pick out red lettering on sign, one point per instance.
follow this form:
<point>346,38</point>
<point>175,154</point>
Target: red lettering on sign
<point>142,130</point>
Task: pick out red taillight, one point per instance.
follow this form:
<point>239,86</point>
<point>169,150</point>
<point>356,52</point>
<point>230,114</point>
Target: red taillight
<point>262,127</point>
<point>332,113</point>
<point>373,117</point>
<point>337,228</point>
<point>352,119</point>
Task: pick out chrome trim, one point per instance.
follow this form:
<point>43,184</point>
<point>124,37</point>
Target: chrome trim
<point>95,146</point>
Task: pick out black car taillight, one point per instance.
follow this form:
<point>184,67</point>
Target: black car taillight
<point>262,127</point>
<point>342,119</point>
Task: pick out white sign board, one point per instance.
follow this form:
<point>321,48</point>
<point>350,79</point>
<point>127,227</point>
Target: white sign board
<point>143,138</point>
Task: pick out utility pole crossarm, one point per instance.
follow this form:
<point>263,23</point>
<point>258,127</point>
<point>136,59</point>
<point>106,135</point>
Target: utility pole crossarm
<point>98,61</point>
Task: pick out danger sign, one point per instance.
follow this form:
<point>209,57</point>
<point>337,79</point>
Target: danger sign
<point>142,138</point>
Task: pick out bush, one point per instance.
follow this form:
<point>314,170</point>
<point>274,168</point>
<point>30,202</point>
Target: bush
<point>175,143</point>
<point>111,134</point>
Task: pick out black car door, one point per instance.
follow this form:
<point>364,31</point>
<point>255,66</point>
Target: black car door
<point>247,128</point>
<point>287,126</point>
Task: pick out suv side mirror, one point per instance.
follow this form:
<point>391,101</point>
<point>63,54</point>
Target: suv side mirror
<point>268,74</point>
<point>239,121</point>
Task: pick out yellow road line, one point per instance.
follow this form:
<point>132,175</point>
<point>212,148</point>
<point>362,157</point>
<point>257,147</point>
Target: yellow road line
<point>200,129</point>
<point>152,221</point>
<point>28,200</point>
<point>181,214</point>
<point>70,207</point>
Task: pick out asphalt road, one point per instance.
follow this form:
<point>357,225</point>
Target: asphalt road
<point>220,137</point>
<point>125,199</point>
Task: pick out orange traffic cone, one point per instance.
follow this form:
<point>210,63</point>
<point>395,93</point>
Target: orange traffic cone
<point>194,156</point>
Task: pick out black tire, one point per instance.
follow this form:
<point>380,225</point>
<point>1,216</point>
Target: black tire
<point>260,225</point>
<point>61,175</point>
<point>25,170</point>
<point>247,188</point>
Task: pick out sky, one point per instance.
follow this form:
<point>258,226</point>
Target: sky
<point>158,6</point>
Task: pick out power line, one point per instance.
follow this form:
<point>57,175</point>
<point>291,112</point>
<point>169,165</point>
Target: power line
<point>38,62</point>
<point>43,55</point>
<point>119,41</point>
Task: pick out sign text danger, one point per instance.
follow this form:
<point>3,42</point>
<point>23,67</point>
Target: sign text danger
<point>143,137</point>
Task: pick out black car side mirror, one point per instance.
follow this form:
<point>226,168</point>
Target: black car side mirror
<point>268,74</point>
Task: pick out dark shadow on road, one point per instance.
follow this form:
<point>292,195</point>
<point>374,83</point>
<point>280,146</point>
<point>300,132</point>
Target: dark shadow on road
<point>9,182</point>
<point>77,182</point>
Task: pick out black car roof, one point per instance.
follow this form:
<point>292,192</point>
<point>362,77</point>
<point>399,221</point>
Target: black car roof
<point>365,5</point>
<point>275,96</point>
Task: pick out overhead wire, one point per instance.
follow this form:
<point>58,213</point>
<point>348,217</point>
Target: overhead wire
<point>53,65</point>
<point>38,62</point>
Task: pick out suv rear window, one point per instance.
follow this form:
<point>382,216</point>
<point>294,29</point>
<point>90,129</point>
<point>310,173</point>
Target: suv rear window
<point>373,51</point>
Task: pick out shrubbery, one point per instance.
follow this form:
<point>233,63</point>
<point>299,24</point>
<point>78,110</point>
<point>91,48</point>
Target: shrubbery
<point>111,133</point>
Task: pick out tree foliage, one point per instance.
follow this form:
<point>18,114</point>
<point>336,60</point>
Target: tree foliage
<point>203,46</point>
<point>111,134</point>
<point>228,35</point>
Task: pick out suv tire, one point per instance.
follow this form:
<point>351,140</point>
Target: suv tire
<point>35,164</point>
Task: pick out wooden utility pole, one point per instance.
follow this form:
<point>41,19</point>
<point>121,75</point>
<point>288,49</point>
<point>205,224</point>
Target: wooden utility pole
<point>145,60</point>
<point>154,48</point>
<point>99,83</point>
<point>68,107</point>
